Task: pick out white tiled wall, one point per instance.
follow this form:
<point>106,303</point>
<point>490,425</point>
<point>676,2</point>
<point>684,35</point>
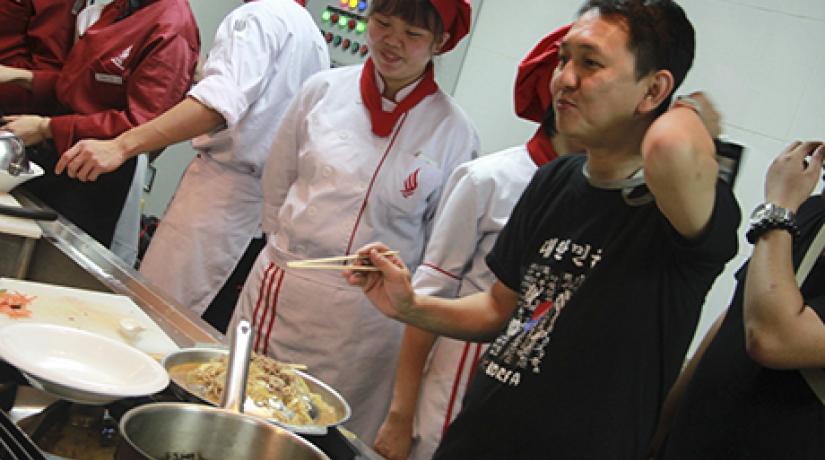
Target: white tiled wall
<point>762,62</point>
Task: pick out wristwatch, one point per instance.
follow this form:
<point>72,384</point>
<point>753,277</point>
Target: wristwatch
<point>768,216</point>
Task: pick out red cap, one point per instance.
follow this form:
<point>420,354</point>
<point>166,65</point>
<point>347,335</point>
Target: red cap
<point>455,14</point>
<point>532,91</point>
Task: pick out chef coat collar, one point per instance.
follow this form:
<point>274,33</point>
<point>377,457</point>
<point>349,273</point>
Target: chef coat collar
<point>387,104</point>
<point>384,121</point>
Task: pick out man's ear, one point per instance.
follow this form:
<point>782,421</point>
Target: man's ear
<point>659,87</point>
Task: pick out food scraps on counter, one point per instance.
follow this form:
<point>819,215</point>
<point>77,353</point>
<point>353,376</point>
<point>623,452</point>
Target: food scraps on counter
<point>15,304</point>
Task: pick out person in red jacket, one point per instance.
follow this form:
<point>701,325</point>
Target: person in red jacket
<point>133,64</point>
<point>34,34</point>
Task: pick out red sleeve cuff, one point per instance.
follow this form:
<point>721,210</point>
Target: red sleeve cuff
<point>62,129</point>
<point>43,83</point>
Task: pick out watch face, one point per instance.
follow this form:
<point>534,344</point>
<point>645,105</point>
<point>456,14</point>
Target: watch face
<point>762,212</point>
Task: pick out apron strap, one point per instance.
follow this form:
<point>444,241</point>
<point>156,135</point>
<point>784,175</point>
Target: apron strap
<point>815,376</point>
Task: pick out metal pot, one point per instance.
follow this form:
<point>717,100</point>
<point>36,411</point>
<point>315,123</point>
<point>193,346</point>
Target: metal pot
<point>192,431</point>
<point>13,154</point>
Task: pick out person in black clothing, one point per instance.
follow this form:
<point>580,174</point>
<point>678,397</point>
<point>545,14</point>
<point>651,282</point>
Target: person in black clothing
<point>743,396</point>
<point>604,264</point>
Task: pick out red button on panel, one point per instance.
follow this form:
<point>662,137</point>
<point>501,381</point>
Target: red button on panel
<point>363,50</point>
<point>334,18</point>
<point>345,44</point>
<point>352,23</point>
<point>328,37</point>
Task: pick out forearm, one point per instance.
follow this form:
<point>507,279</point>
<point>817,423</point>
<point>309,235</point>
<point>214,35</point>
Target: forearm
<point>188,119</point>
<point>19,77</point>
<point>478,317</point>
<point>415,348</point>
<point>773,305</point>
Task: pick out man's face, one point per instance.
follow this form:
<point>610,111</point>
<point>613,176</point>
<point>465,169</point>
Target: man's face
<point>595,89</point>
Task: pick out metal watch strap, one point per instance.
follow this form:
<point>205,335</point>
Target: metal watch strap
<point>770,217</point>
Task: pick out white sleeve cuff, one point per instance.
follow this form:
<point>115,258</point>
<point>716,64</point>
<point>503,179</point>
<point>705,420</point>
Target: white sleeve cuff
<point>222,95</point>
<point>429,280</point>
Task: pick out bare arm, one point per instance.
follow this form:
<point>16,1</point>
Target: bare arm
<point>478,317</point>
<point>681,170</point>
<point>782,332</point>
<point>395,435</point>
<point>87,159</point>
<point>20,77</point>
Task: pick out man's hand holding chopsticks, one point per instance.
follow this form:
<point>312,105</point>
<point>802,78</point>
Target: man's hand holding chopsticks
<point>389,289</point>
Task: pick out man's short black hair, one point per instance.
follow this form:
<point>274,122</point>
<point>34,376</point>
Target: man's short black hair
<point>660,36</point>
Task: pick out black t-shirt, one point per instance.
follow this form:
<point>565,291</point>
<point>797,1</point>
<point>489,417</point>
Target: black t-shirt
<point>733,408</point>
<point>609,297</point>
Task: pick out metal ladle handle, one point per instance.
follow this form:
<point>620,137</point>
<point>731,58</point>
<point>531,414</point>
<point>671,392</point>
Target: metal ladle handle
<point>234,389</point>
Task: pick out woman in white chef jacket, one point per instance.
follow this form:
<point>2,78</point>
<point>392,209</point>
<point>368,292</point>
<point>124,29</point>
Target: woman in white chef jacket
<point>263,51</point>
<point>361,155</point>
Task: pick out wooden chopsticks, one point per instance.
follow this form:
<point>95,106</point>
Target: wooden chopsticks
<point>328,263</point>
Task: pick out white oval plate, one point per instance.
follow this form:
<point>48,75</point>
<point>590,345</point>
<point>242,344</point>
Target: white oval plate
<point>79,365</point>
<point>8,182</point>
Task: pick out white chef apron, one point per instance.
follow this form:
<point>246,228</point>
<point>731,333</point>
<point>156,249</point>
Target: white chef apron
<point>215,213</point>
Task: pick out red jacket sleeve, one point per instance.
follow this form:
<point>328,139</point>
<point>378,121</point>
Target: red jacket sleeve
<point>159,81</point>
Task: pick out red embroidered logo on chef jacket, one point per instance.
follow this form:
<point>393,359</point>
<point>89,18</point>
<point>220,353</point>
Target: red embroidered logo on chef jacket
<point>410,184</point>
<point>121,58</point>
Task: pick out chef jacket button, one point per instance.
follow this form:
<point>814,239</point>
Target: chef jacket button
<point>343,135</point>
<point>312,211</point>
<point>326,171</point>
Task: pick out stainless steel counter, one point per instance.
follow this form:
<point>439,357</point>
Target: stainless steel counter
<point>67,256</point>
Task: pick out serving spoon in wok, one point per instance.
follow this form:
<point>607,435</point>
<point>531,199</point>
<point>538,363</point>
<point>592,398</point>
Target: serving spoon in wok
<point>162,431</point>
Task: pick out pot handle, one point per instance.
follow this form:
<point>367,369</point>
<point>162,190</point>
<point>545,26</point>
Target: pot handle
<point>234,389</point>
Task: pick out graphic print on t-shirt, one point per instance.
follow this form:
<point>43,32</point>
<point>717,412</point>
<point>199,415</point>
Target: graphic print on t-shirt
<point>551,280</point>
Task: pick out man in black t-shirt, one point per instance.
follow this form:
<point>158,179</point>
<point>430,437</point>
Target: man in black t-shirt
<point>605,262</point>
<point>746,399</point>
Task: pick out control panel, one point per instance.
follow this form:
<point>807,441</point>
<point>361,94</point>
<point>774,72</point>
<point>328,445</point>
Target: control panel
<point>344,26</point>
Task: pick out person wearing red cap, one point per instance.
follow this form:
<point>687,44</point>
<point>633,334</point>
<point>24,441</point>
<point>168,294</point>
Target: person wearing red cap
<point>433,372</point>
<point>363,153</point>
<point>136,61</point>
<point>603,266</point>
<point>34,35</point>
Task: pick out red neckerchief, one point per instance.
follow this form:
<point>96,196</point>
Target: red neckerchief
<point>541,148</point>
<point>383,122</point>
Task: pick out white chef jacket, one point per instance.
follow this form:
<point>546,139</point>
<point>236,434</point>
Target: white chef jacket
<point>262,53</point>
<point>477,202</point>
<point>331,186</point>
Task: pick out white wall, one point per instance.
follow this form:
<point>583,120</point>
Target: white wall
<point>762,62</point>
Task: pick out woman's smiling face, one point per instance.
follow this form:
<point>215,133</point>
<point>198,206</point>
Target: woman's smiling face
<point>400,50</point>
